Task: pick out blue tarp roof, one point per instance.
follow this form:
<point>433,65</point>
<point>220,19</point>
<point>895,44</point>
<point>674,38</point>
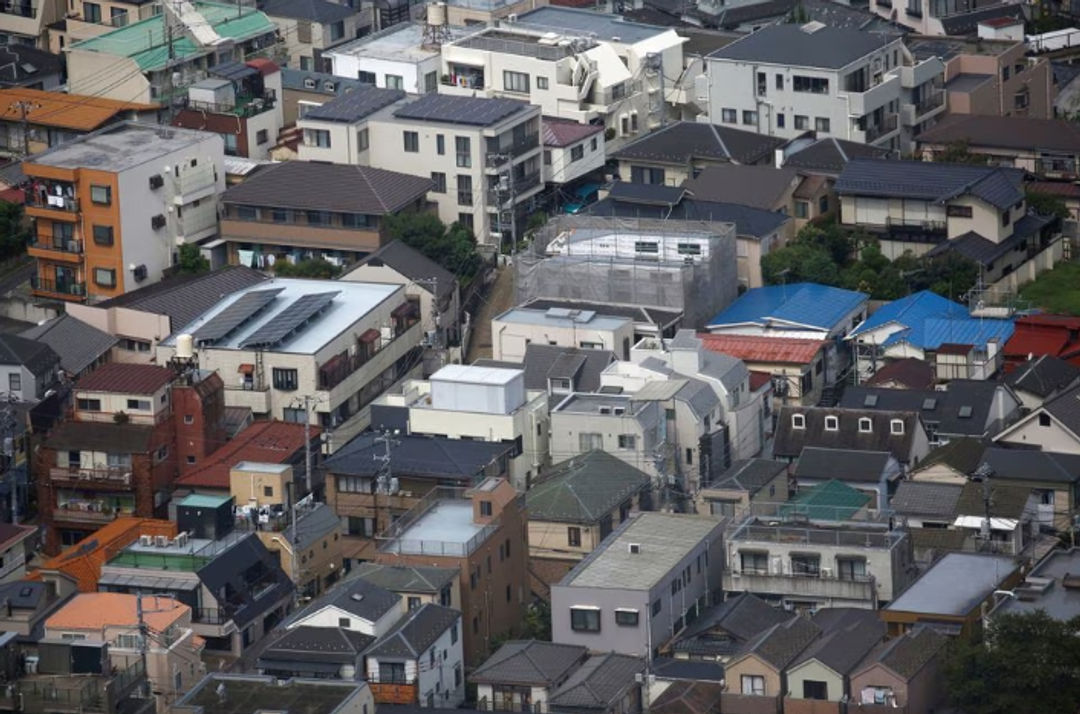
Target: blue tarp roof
<point>808,304</point>
<point>932,321</point>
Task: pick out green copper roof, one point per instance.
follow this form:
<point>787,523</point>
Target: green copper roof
<point>830,501</point>
<point>204,500</point>
<point>584,489</point>
<point>144,41</point>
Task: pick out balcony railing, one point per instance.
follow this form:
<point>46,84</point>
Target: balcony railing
<point>885,126</point>
<point>52,202</point>
<point>830,587</point>
<point>61,287</point>
<point>118,476</point>
<point>515,148</point>
<point>521,184</point>
<point>22,9</point>
<point>930,102</point>
<point>87,516</point>
<point>928,225</point>
<point>1057,166</point>
<point>246,105</point>
<point>73,247</point>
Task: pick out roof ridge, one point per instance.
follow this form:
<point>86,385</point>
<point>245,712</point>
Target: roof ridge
<point>843,154</point>
<point>719,140</point>
<point>367,179</point>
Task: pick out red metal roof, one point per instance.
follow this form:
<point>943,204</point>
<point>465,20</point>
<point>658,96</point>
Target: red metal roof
<point>1055,188</point>
<point>273,442</point>
<point>561,132</point>
<point>953,348</point>
<point>759,380</point>
<point>1036,344</point>
<point>126,378</point>
<point>751,348</point>
<point>1067,322</point>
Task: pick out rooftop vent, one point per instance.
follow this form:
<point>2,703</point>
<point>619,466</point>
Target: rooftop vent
<point>965,412</point>
<point>812,27</point>
<point>870,400</point>
<point>357,597</point>
<point>633,548</point>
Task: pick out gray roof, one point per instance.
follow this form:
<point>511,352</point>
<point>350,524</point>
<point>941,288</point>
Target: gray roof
<point>1041,376</point>
<point>597,683</point>
<point>789,442</point>
<point>406,578</point>
<point>973,397</point>
<point>415,632</point>
<point>749,475</point>
<point>931,181</point>
<point>1061,600</point>
<point>684,141</point>
<point>860,466</point>
<point>964,23</point>
<point>543,361</point>
<point>1066,408</point>
<point>1006,501</point>
<point>100,436</point>
<point>962,455</point>
<point>78,344</point>
<point>756,186</point>
<point>316,644</point>
<point>792,45</point>
<point>741,617</point>
<point>587,23</point>
<point>750,222</point>
<point>662,317</point>
<point>38,357</point>
<point>830,155</point>
<point>584,489</point>
<point>353,106</point>
<point>412,264</point>
<point>529,662</point>
<point>1031,465</point>
<point>670,668</point>
<point>183,298</point>
<point>452,109</point>
<point>320,11</point>
<point>782,643</point>
<point>967,81</point>
<point>319,186</point>
<point>848,634</point>
<point>26,65</point>
<point>297,80</point>
<point>983,251</point>
<point>312,524</point>
<point>925,498</point>
<point>955,585</point>
<point>354,596</point>
<point>417,456</point>
<point>908,654</point>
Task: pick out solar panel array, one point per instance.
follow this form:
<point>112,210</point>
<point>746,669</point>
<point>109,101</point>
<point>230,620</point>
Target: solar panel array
<point>289,320</point>
<point>235,315</point>
<point>474,111</point>
<point>355,105</point>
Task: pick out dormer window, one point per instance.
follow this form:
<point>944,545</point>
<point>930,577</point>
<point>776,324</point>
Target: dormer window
<point>866,425</point>
<point>798,421</point>
<point>832,423</point>
<point>896,427</point>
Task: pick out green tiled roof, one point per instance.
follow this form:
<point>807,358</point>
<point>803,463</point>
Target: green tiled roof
<point>830,501</point>
<point>202,500</point>
<point>584,489</point>
<point>144,41</point>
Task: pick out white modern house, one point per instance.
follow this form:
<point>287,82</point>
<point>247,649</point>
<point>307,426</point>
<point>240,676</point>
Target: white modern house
<point>423,649</point>
<point>399,57</point>
<point>515,329</point>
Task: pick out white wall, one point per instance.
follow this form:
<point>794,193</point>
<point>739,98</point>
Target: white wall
<point>330,616</point>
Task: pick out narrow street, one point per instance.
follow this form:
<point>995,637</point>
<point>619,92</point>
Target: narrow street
<point>499,299</point>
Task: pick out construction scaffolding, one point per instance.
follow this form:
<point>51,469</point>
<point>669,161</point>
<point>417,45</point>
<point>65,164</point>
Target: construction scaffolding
<point>688,266</point>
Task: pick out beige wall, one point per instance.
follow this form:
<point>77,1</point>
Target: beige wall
<point>752,665</point>
<point>814,671</point>
<point>509,339</point>
<point>106,76</point>
<point>248,487</point>
<point>996,97</point>
<point>1029,433</point>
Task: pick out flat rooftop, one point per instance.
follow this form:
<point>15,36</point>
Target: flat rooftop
<point>551,46</point>
<point>600,404</point>
<point>588,23</point>
<point>349,303</point>
<point>238,694</point>
<point>1061,596</point>
<point>560,317</point>
<point>927,47</point>
<point>172,557</point>
<point>120,148</point>
<point>401,42</point>
<point>447,528</point>
<point>955,585</point>
<point>663,539</point>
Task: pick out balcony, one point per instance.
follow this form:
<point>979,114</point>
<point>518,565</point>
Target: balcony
<point>1057,167</point>
<point>65,290</point>
<point>61,250</point>
<point>496,153</point>
<point>79,515</point>
<point>45,204</point>
<point>19,9</point>
<point>245,106</point>
<point>867,101</point>
<point>248,394</point>
<point>931,101</point>
<point>809,587</point>
<point>440,524</point>
<point>886,126</point>
<point>393,692</point>
<point>520,185</point>
<point>111,477</point>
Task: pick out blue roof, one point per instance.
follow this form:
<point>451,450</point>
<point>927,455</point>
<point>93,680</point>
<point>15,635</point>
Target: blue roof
<point>931,321</point>
<point>807,304</point>
<point>912,309</point>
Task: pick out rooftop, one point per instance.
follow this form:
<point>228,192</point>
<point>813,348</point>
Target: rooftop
<point>65,111</point>
<point>220,693</point>
<point>810,45</point>
<point>749,475</point>
<point>406,578</point>
<point>602,404</point>
<point>751,348</point>
<point>96,611</point>
<point>758,186</point>
<point>908,654</point>
<point>529,662</point>
<point>78,344</point>
<point>469,111</point>
<point>318,82</point>
<point>26,65</point>
<point>955,585</point>
<point>561,317</point>
<point>929,320</point>
<point>416,455</point>
<point>584,489</point>
<point>832,500</point>
<point>1042,375</point>
<point>319,11</point>
<point>357,104</point>
<point>82,562</point>
<point>126,378</point>
<point>417,631</point>
<point>931,181</point>
<point>1034,466</point>
<point>966,407</point>
<point>1053,586</point>
<point>790,441</point>
<point>926,498</point>
<point>412,264</point>
<point>120,147</point>
<point>907,373</point>
<point>829,155</point>
<point>274,442</point>
<point>564,132</point>
<point>544,46</point>
<point>588,23</point>
<point>401,42</point>
<point>446,528</point>
<point>796,305</point>
<point>543,362</point>
<point>1029,134</point>
<point>356,596</point>
<point>684,141</point>
<point>37,356</point>
<point>663,539</point>
<point>598,683</point>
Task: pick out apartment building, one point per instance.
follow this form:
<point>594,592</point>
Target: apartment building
<point>398,57</point>
<point>572,151</point>
<point>656,572</point>
<point>27,22</point>
<point>518,327</point>
<point>110,208</point>
<point>311,27</point>
<point>950,17</point>
<point>787,79</point>
<point>133,429</point>
<point>479,531</point>
<point>341,344</point>
<point>630,429</point>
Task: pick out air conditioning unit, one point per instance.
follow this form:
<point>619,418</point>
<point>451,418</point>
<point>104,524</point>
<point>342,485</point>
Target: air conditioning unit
<point>146,540</point>
<point>181,539</point>
<point>826,572</point>
<point>634,548</point>
<point>161,541</point>
<point>158,221</point>
<point>156,181</point>
<point>31,664</point>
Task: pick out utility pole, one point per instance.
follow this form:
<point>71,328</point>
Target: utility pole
<point>144,631</point>
<point>24,107</point>
<point>307,400</point>
<point>503,194</point>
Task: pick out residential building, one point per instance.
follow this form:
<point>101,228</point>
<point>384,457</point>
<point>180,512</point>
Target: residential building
<point>801,310</point>
<point>970,408</point>
<point>233,584</point>
<point>572,151</point>
<point>17,545</point>
<point>686,696</point>
<point>84,20</point>
<point>757,673</point>
<point>81,347</point>
<point>1049,587</point>
<point>311,27</point>
<point>28,368</point>
<point>903,673</point>
<point>1041,378</point>
<point>354,605</point>
<point>899,433</point>
<point>300,91</point>
<point>632,430</point>
<point>904,373</point>
<point>479,403</point>
<point>795,366</point>
<point>1055,426</point>
<point>368,502</point>
<point>31,603</point>
<point>171,651</point>
<point>420,660</point>
<point>343,343</point>
<point>577,504</point>
<point>951,18</point>
<point>723,631</point>
<point>1010,141</point>
<point>239,101</point>
<point>522,674</point>
<point>1057,335</point>
<point>855,85</point>
<point>549,368</point>
<point>745,484</point>
<point>310,549</point>
<point>1053,478</point>
<point>639,588</point>
<point>926,504</point>
<point>822,671</point>
<point>397,57</point>
<point>108,216</point>
<point>516,328</point>
<point>218,691</point>
<point>919,325</point>
<point>416,584</point>
<point>466,529</point>
<point>833,500</point>
<point>875,473</point>
<point>605,684</point>
<point>299,209</point>
<point>951,463</point>
<point>824,156</point>
<point>124,64</point>
<point>315,652</point>
<point>26,24</point>
<point>951,595</point>
<point>998,518</point>
<point>762,186</point>
<point>338,129</point>
<point>53,118</point>
<point>133,430</point>
<point>990,76</point>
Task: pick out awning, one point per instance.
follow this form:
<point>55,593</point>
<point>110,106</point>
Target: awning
<point>996,524</point>
<point>370,336</point>
<point>148,583</point>
<point>404,309</point>
<point>246,368</point>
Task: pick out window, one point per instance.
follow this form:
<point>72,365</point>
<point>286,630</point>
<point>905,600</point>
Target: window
<point>626,618</point>
<point>162,452</point>
<point>431,82</point>
<point>592,144</point>
<point>958,211</point>
<point>91,12</point>
<point>802,209</point>
<point>851,568</point>
<point>101,194</point>
<point>476,625</point>
<point>779,81</point>
<point>412,141</point>
<point>318,218</point>
<point>588,441</point>
<point>802,122</point>
<point>337,31</point>
<point>814,690</point>
<point>439,180</point>
<point>753,684</point>
<point>285,379</point>
<point>798,421</point>
<point>366,77</point>
<point>463,149</point>
<point>896,426</point>
<point>414,603</point>
<point>688,248</point>
<point>627,441</point>
<point>754,562</point>
<point>806,564</point>
<point>1044,419</point>
<point>1005,73</point>
<point>485,509</point>
<point>118,17</point>
<point>362,140</point>
<point>88,405</point>
<point>105,277</point>
<point>749,117</point>
<point>780,120</point>
<point>573,536</point>
<point>464,190</point>
<point>866,425</point>
<point>262,136</point>
<point>584,619</point>
<point>515,82</point>
<point>14,382</point>
<point>689,456</point>
<point>729,116</point>
<point>395,81</point>
<point>465,219</point>
<point>823,205</point>
<point>577,153</point>
<point>646,246</point>
<point>142,405</point>
<point>645,174</point>
<point>317,137</point>
<point>103,235</point>
<point>832,423</point>
<point>1005,218</point>
<point>813,85</point>
<point>821,124</point>
<point>440,144</point>
<point>541,82</point>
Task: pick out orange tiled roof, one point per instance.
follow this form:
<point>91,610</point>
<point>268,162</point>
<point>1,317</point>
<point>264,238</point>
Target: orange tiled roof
<point>272,442</point>
<point>93,611</point>
<point>82,562</point>
<point>67,111</point>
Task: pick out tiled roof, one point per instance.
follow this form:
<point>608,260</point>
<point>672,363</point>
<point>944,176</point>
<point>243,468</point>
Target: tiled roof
<point>750,185</point>
<point>792,45</point>
<point>274,442</point>
<point>315,644</point>
<point>320,11</point>
<point>908,654</point>
<point>750,348</point>
<point>688,697</point>
<point>931,181</point>
<point>82,562</point>
<point>909,373</point>
<point>1005,501</point>
<point>829,501</point>
<point>925,498</point>
<point>412,264</point>
<point>781,644</point>
<point>95,611</point>
<point>1043,375</point>
<point>859,466</point>
<point>632,200</point>
<point>584,489</point>
<point>531,662</point>
<point>797,304</point>
<point>1055,188</point>
<point>966,407</point>
<point>100,436</point>
<point>722,629</point>
<point>64,111</point>
<point>749,475</point>
<point>12,534</point>
<point>126,378</point>
<point>963,455</point>
<point>848,635</point>
<point>789,441</point>
<point>683,141</point>
<point>999,132</point>
<point>416,632</point>
<point>34,355</point>
<point>598,683</point>
<point>830,155</point>
<point>416,455</point>
<point>406,578</point>
<point>1032,465</point>
<point>77,343</point>
<point>355,596</point>
<point>563,132</point>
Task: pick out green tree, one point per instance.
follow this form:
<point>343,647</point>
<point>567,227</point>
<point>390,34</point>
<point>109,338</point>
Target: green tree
<point>191,259</point>
<point>309,268</point>
<point>959,152</point>
<point>1028,664</point>
<point>14,230</point>
<point>798,262</point>
<point>453,247</point>
<point>1047,204</point>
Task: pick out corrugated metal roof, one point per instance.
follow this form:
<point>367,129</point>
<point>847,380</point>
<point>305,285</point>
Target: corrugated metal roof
<point>751,348</point>
<point>911,311</point>
<point>68,111</point>
<point>807,304</point>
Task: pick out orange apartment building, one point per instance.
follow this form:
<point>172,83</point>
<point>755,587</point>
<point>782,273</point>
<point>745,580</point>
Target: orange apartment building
<point>111,208</point>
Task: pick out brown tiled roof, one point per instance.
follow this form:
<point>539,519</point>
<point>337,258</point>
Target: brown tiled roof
<point>94,611</point>
<point>910,372</point>
<point>562,132</point>
<point>100,436</point>
<point>65,111</point>
<point>273,442</point>
<point>1005,132</point>
<point>126,378</point>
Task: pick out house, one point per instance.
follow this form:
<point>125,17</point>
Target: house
<point>342,343</point>
<point>1052,477</point>
<point>80,346</point>
<point>17,545</point>
<point>949,597</point>
<point>450,404</point>
<point>298,209</point>
<point>96,466</point>
<point>822,671</point>
<point>724,629</point>
<point>333,130</point>
<point>829,501</point>
<point>95,199</point>
<point>757,673</point>
<point>28,368</point>
<point>572,153</point>
<point>907,373</point>
<point>903,673</point>
<point>31,603</point>
<point>976,409</point>
<point>688,697</point>
<point>1049,587</point>
<point>1041,378</point>
<point>516,328</point>
<point>315,652</point>
<point>1054,426</point>
<point>997,518</point>
<point>800,310</point>
<point>171,650</point>
<point>124,63</point>
<point>417,584</point>
<point>560,370</point>
<point>1057,335</point>
<point>26,25</point>
<point>630,429</point>
<point>926,504</point>
<point>745,484</point>
<point>315,527</point>
<point>434,286</point>
<point>239,101</point>
<point>901,434</point>
<point>361,495</point>
<point>855,85</point>
<point>875,473</point>
<point>218,692</point>
<point>1010,141</point>
<point>53,118</point>
<point>605,684</point>
<point>824,156</point>
<point>395,57</point>
<point>758,186</point>
<point>419,661</point>
<point>794,365</point>
<point>522,674</point>
<point>311,27</point>
<point>355,605</point>
<point>577,504</point>
<point>467,529</point>
<point>919,325</point>
<point>638,589</point>
<point>301,91</point>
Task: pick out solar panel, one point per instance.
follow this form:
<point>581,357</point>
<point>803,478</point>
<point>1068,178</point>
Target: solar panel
<point>870,400</point>
<point>475,111</point>
<point>289,320</point>
<point>929,404</point>
<point>965,412</point>
<point>235,315</point>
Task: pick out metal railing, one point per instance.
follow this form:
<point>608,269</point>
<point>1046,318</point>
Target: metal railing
<point>121,475</point>
<point>1067,166</point>
<point>78,514</point>
<point>521,184</point>
<point>52,202</point>
<point>787,534</point>
<point>62,287</point>
<point>515,148</point>
<point>930,102</point>
<point>887,125</point>
<point>22,9</point>
<point>74,247</point>
<point>245,105</point>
